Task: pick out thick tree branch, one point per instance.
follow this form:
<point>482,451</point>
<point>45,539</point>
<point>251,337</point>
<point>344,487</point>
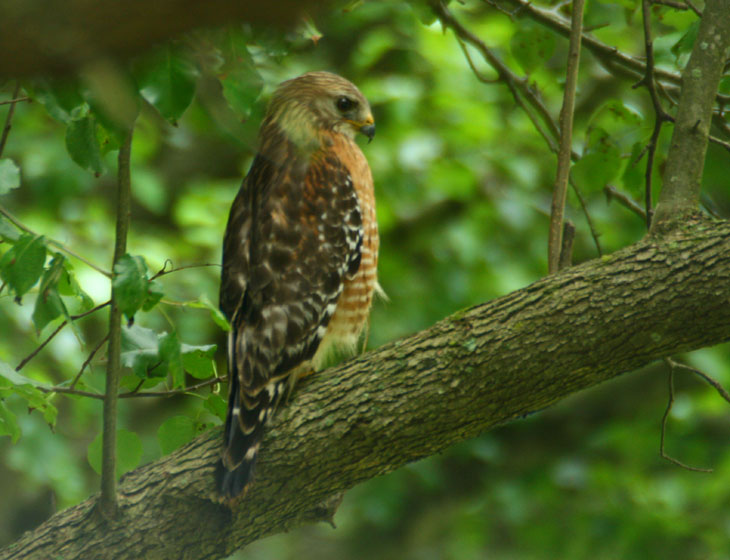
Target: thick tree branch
<point>686,158</point>
<point>470,372</point>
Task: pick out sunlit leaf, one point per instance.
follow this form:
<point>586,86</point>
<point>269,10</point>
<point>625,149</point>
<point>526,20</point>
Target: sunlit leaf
<point>140,352</point>
<point>174,432</point>
<point>22,265</point>
<point>9,175</point>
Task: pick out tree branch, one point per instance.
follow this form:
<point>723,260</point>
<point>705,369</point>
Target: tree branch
<point>108,501</point>
<point>686,158</point>
<point>412,398</point>
<point>560,189</point>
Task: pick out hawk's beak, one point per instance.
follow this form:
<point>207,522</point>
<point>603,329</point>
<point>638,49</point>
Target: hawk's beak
<point>368,128</point>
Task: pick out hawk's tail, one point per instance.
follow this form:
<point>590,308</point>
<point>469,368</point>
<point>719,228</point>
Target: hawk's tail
<point>244,429</point>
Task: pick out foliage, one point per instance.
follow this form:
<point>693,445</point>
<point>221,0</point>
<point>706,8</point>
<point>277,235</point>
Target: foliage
<point>463,181</point>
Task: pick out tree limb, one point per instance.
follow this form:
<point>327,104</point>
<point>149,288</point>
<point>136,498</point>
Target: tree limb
<point>412,398</point>
<point>686,158</point>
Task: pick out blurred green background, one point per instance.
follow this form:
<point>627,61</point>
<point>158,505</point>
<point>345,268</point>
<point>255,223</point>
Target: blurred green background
<point>463,184</point>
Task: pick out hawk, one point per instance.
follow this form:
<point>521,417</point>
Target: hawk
<point>299,256</point>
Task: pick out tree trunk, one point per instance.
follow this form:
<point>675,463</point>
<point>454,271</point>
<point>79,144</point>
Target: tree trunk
<point>412,398</point>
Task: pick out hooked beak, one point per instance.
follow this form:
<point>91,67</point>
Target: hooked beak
<point>368,128</point>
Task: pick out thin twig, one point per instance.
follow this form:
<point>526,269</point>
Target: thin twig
<point>88,360</point>
<point>667,410</point>
<point>132,394</point>
<point>613,193</point>
<point>9,120</point>
<point>164,272</point>
<point>566,136</point>
<point>21,226</point>
<point>591,226</point>
<point>40,347</point>
<point>50,337</point>
<point>713,382</point>
<point>16,100</point>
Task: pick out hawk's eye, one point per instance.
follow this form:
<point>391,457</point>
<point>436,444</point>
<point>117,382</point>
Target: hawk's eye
<point>345,103</point>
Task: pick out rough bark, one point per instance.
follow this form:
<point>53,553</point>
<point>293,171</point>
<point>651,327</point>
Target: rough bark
<point>412,398</point>
<point>60,36</point>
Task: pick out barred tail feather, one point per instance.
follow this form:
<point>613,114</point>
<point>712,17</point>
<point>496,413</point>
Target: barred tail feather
<point>244,429</point>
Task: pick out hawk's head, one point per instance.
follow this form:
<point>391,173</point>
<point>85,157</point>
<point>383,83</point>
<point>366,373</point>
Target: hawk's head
<point>318,101</point>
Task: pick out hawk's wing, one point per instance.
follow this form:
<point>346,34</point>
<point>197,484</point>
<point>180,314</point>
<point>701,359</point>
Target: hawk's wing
<point>293,234</point>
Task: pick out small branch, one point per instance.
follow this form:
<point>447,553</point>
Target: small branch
<point>164,272</point>
<point>9,120</point>
<point>17,100</point>
<point>686,158</point>
<point>711,381</point>
<point>21,226</point>
<point>660,115</point>
<point>108,500</point>
<point>591,226</point>
<point>133,394</point>
<point>566,136</point>
<point>667,410</point>
<point>40,347</point>
<point>50,337</point>
<point>88,360</point>
<point>625,200</point>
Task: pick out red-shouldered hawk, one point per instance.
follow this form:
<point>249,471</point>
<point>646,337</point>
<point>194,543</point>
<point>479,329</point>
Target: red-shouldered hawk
<point>299,256</point>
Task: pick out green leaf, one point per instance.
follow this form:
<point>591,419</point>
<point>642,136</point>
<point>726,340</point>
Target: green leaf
<point>216,314</point>
<point>596,169</point>
<point>242,84</point>
<point>174,432</point>
<point>198,361</point>
<point>216,405</point>
<point>170,354</point>
<point>22,266</point>
<point>140,352</point>
<point>8,232</point>
<point>48,304</point>
<point>9,175</point>
<point>59,97</point>
<point>9,373</point>
<point>532,46</point>
<point>8,423</point>
<point>167,81</point>
<point>153,296</point>
<point>128,449</point>
<point>686,42</point>
<point>130,284</point>
<point>82,142</point>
